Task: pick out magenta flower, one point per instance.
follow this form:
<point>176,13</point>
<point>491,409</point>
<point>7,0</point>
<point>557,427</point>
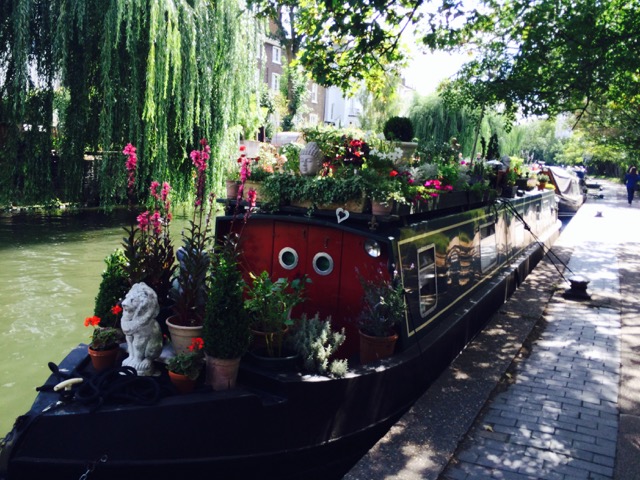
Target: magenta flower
<point>154,190</point>
<point>143,221</point>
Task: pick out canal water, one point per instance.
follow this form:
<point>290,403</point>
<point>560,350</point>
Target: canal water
<point>50,271</point>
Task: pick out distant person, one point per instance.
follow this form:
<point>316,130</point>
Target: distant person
<point>631,180</point>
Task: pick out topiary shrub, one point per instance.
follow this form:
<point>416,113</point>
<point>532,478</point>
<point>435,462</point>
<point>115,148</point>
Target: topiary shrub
<point>113,287</point>
<point>226,332</point>
<point>398,129</point>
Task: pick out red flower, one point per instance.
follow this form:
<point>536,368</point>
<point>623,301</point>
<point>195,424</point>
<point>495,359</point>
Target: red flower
<point>196,344</point>
<point>116,309</point>
<point>92,321</point>
<point>393,173</point>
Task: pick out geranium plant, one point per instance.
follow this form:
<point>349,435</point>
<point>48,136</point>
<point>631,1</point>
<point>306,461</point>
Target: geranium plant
<point>188,363</point>
<point>104,338</point>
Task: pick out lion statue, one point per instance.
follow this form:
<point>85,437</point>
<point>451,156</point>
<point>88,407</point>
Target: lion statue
<point>144,337</point>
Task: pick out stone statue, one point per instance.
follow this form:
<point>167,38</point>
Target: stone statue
<point>144,338</point>
<point>310,159</point>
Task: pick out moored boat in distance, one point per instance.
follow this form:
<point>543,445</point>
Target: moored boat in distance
<point>569,192</point>
<point>457,262</point>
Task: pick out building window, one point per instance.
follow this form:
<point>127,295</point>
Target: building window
<point>314,93</point>
<point>275,82</point>
<point>313,119</point>
<point>427,279</point>
<point>276,55</point>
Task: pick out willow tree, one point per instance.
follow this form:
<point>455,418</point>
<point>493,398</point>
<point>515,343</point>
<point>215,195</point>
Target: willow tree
<point>435,123</point>
<point>157,73</point>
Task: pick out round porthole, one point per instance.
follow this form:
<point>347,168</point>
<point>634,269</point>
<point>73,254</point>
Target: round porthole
<point>323,264</point>
<point>288,258</point>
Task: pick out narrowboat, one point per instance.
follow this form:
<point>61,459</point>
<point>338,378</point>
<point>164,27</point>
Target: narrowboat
<point>458,259</point>
<point>569,191</point>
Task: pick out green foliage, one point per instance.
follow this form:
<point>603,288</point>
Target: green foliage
<point>382,306</point>
<point>377,107</point>
<point>113,287</point>
<point>226,331</point>
<point>269,304</point>
<point>154,73</point>
<point>316,342</point>
<point>187,363</point>
<point>294,86</point>
<point>398,129</point>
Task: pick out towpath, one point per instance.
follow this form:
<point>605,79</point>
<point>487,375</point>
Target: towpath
<point>551,388</point>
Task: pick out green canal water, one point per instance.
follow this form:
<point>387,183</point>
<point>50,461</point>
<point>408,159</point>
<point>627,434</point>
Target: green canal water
<point>50,270</point>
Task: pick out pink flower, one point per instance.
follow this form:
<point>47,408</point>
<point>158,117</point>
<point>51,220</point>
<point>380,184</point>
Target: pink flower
<point>166,188</point>
<point>251,197</point>
<point>156,222</point>
<point>154,189</point>
<point>143,221</point>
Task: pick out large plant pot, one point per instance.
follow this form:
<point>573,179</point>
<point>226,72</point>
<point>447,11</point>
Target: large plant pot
<point>257,186</point>
<point>289,361</point>
<point>232,189</point>
<point>182,383</point>
<point>408,149</point>
<point>221,373</point>
<point>181,336</point>
<point>103,359</point>
<point>376,348</point>
<point>380,208</point>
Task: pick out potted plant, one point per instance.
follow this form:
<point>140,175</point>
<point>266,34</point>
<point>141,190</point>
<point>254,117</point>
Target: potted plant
<point>189,291</point>
<point>316,343</point>
<point>226,323</point>
<point>383,309</point>
<point>113,287</point>
<point>184,368</point>
<point>269,304</point>
<point>104,346</point>
<point>400,129</point>
<point>542,181</point>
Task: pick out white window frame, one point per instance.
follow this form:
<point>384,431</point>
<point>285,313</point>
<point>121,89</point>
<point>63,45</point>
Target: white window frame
<point>313,119</point>
<point>276,55</point>
<point>275,82</point>
<point>314,93</point>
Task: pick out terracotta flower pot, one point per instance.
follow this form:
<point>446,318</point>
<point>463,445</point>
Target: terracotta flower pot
<point>379,208</point>
<point>103,359</point>
<point>182,383</point>
<point>221,373</point>
<point>181,336</point>
<point>232,189</point>
<point>376,348</point>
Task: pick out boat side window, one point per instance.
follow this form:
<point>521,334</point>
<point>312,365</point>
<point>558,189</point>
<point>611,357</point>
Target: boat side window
<point>488,246</point>
<point>428,286</point>
<point>323,263</point>
<point>288,258</point>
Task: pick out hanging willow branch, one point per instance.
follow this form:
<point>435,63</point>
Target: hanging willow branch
<point>157,73</point>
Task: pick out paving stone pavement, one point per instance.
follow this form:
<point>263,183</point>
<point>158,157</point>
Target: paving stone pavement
<point>551,388</point>
<point>558,418</point>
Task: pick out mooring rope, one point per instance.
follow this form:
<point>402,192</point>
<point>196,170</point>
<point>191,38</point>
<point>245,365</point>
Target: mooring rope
<point>546,250</point>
